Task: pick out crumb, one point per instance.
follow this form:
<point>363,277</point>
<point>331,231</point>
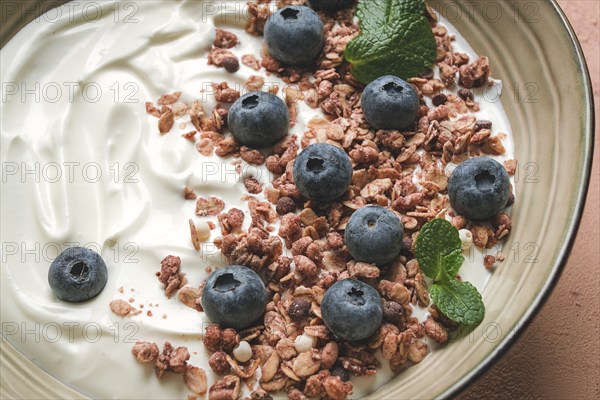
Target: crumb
<point>252,185</point>
<point>225,39</point>
<point>250,61</point>
<point>223,93</point>
<point>489,262</point>
<point>189,194</point>
<point>166,122</point>
<point>120,307</point>
<point>168,99</point>
<point>209,207</point>
<point>145,352</point>
<point>223,58</point>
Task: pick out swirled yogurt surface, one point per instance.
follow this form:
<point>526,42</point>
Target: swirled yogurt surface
<point>83,164</point>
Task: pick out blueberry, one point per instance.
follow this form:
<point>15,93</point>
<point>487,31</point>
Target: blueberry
<point>258,119</point>
<point>390,103</point>
<point>352,309</point>
<point>234,297</point>
<point>322,172</point>
<point>479,188</point>
<point>374,235</point>
<point>77,274</point>
<point>330,5</point>
<point>294,35</point>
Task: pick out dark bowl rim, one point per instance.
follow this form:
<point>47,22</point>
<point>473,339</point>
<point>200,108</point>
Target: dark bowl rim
<point>501,349</point>
<point>544,294</point>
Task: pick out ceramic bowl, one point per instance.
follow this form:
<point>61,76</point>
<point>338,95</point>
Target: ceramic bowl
<point>548,99</point>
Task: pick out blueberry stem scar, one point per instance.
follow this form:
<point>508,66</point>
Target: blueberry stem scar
<point>484,180</point>
<point>79,271</point>
<point>315,164</point>
<point>356,297</point>
<point>290,13</point>
<point>250,102</point>
<point>392,88</point>
<point>226,283</point>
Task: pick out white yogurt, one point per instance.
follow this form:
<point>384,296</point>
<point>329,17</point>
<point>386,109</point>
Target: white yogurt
<point>82,163</point>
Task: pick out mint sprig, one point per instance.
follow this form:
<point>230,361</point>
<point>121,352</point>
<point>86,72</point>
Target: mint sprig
<point>438,250</point>
<point>395,39</point>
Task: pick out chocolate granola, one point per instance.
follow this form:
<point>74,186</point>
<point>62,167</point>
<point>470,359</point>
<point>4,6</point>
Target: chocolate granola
<point>404,171</point>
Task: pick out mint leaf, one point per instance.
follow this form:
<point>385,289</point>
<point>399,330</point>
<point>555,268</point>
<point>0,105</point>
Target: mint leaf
<point>459,301</point>
<point>438,249</point>
<point>374,14</point>
<point>453,262</point>
<point>395,39</point>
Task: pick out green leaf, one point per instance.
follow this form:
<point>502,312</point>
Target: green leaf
<point>395,39</point>
<point>438,249</point>
<point>459,301</point>
<point>453,261</point>
<point>376,13</point>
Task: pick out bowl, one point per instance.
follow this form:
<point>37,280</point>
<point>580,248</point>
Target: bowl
<point>548,99</point>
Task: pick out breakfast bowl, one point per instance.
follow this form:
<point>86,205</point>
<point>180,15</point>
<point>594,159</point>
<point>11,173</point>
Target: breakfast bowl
<point>547,96</point>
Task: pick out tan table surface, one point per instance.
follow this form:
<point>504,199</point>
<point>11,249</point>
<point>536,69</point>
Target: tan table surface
<point>558,355</point>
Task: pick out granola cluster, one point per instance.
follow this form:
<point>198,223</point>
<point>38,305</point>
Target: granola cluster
<point>171,359</point>
<point>170,276</point>
<point>302,257</point>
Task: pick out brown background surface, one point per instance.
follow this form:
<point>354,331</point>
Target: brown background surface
<point>558,355</point>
